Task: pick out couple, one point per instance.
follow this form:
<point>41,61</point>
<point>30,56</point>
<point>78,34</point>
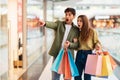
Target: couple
<point>68,35</point>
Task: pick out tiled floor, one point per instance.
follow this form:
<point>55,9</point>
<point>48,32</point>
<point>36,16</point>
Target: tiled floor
<point>35,70</point>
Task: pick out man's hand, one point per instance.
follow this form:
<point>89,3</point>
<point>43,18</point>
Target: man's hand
<point>66,44</point>
<point>41,23</point>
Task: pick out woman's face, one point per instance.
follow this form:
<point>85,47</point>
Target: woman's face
<point>79,22</point>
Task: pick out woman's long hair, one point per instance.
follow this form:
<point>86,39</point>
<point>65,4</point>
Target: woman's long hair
<point>86,29</point>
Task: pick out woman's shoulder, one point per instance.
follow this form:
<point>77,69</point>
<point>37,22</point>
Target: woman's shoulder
<point>93,30</point>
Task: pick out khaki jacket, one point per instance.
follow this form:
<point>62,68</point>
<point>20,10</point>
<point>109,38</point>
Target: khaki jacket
<point>59,28</point>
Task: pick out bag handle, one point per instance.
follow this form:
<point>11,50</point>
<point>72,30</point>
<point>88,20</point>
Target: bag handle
<point>103,51</point>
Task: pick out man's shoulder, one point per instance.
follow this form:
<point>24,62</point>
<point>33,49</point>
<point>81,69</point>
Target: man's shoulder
<point>59,21</point>
<point>76,28</point>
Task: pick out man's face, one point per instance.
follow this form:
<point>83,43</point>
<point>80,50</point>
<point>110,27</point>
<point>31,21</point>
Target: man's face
<point>69,17</point>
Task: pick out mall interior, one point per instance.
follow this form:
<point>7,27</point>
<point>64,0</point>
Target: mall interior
<point>24,46</point>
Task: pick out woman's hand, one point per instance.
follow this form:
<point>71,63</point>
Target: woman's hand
<point>75,40</point>
<point>98,49</point>
<point>97,46</point>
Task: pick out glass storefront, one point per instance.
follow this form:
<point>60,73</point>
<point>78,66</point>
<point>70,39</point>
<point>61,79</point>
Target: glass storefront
<point>34,32</point>
<point>3,41</point>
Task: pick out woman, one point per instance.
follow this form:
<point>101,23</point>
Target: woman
<point>88,41</point>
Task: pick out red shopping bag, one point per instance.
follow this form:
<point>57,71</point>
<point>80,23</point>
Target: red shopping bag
<point>93,64</point>
<point>61,69</point>
<point>67,67</point>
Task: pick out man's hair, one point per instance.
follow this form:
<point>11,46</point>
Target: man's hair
<point>72,10</point>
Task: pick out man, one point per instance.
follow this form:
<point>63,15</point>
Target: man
<point>65,31</point>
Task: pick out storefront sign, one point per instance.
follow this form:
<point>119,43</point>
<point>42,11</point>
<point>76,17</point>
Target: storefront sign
<point>19,12</point>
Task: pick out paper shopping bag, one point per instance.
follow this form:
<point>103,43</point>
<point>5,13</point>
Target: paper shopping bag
<point>106,66</point>
<point>57,61</point>
<point>67,67</point>
<point>61,69</point>
<point>73,68</point>
<point>93,64</point>
<point>113,63</point>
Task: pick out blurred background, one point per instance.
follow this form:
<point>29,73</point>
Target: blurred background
<point>104,16</point>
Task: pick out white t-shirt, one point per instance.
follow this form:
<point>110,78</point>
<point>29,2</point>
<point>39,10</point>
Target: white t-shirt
<point>68,27</point>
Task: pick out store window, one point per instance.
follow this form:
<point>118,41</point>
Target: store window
<point>3,41</point>
<point>34,32</point>
<point>107,22</point>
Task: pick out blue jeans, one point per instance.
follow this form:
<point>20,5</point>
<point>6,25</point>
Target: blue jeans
<point>80,63</point>
<point>55,76</point>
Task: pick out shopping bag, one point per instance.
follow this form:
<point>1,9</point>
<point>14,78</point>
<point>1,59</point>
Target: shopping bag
<point>73,68</point>
<point>106,66</point>
<point>93,64</point>
<point>113,63</point>
<point>56,63</point>
<point>61,69</point>
<point>67,67</point>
